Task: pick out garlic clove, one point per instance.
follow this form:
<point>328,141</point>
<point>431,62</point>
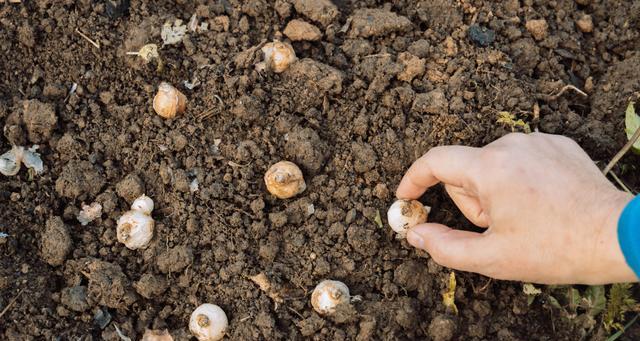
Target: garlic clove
<point>10,161</point>
<point>135,229</point>
<point>143,204</point>
<point>284,180</point>
<point>278,56</point>
<point>327,295</point>
<point>405,214</point>
<point>208,322</point>
<point>169,101</point>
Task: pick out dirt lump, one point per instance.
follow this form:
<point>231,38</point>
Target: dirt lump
<point>108,285</point>
<point>442,328</point>
<point>39,119</point>
<point>322,11</point>
<point>306,149</point>
<point>56,242</point>
<point>433,102</point>
<point>79,179</point>
<point>150,285</point>
<point>175,259</point>
<point>130,188</point>
<point>75,298</point>
<point>298,30</point>
<point>370,22</point>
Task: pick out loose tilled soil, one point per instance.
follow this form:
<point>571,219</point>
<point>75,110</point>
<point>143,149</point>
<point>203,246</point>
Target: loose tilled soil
<point>376,90</point>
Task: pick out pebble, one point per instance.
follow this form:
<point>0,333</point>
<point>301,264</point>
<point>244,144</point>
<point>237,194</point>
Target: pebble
<point>585,24</point>
<point>481,35</point>
<point>537,28</point>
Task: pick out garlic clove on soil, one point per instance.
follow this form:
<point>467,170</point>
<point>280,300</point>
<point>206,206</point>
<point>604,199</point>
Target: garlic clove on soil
<point>143,204</point>
<point>284,180</point>
<point>208,322</point>
<point>135,229</point>
<point>327,295</point>
<point>404,214</point>
<point>278,56</point>
<point>169,101</point>
<point>11,160</point>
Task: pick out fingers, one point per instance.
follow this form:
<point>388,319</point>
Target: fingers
<point>461,250</point>
<point>469,205</point>
<point>448,164</point>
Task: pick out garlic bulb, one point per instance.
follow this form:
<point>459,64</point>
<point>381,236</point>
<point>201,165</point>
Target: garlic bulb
<point>135,229</point>
<point>169,101</point>
<point>208,322</point>
<point>278,56</point>
<point>284,180</point>
<point>404,214</point>
<point>328,295</point>
<point>143,204</point>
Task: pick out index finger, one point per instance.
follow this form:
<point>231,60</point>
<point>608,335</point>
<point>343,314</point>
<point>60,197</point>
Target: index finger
<point>447,164</point>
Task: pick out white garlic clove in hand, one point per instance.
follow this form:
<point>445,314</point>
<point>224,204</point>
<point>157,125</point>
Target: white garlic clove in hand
<point>404,214</point>
<point>143,204</point>
<point>208,322</point>
<point>278,56</point>
<point>284,180</point>
<point>135,229</point>
<point>169,101</point>
<point>327,295</point>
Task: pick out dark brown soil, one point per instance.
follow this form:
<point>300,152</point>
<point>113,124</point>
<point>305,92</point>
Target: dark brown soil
<point>387,81</point>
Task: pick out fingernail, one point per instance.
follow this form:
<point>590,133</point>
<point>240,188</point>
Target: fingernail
<point>415,239</point>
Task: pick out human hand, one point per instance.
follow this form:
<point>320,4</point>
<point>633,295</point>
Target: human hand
<point>551,216</point>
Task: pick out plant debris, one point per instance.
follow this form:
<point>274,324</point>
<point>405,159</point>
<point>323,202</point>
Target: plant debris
<point>173,33</point>
<point>449,297</point>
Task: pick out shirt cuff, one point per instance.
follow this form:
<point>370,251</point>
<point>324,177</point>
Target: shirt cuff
<point>629,234</point>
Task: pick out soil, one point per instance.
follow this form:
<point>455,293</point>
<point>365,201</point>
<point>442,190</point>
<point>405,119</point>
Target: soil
<point>380,84</point>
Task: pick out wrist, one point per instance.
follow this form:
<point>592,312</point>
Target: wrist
<point>608,263</point>
<point>629,235</point>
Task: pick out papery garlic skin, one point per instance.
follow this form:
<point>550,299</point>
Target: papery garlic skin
<point>135,229</point>
<point>284,180</point>
<point>404,214</point>
<point>143,204</point>
<point>327,295</point>
<point>278,56</point>
<point>169,101</point>
<point>208,322</point>
<point>11,160</point>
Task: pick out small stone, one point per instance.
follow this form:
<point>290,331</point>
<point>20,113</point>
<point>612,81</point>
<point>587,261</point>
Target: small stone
<point>585,23</point>
<point>538,28</point>
<point>481,35</point>
<point>298,30</point>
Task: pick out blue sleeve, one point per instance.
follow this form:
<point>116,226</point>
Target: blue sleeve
<point>629,234</point>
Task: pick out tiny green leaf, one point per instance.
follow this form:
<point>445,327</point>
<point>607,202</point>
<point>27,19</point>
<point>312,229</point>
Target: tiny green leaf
<point>632,123</point>
<point>595,299</point>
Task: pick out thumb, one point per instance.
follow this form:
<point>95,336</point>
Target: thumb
<point>460,250</point>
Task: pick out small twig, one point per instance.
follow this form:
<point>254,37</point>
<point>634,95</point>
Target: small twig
<point>549,98</point>
<point>296,312</point>
<point>622,151</point>
<point>619,181</point>
<point>11,303</point>
<point>88,39</point>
